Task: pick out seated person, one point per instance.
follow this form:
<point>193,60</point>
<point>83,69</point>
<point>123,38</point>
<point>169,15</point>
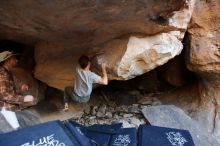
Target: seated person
<point>11,97</point>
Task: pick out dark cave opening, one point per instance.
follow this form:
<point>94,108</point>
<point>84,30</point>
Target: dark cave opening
<point>26,53</point>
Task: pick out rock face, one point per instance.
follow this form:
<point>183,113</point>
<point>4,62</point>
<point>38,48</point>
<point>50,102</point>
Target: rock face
<point>88,23</point>
<point>208,114</point>
<point>203,57</point>
<point>204,53</point>
<point>65,28</point>
<point>141,54</point>
<point>54,67</point>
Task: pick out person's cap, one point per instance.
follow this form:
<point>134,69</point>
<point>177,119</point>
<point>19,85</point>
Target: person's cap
<point>6,54</point>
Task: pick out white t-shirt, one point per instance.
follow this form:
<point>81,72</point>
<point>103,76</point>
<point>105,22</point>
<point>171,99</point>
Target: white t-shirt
<point>83,82</point>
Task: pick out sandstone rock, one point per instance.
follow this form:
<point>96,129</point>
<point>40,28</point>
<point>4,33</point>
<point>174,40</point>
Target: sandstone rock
<point>102,109</point>
<point>61,31</point>
<point>99,114</point>
<point>127,115</point>
<point>87,110</point>
<point>140,55</point>
<point>52,68</point>
<point>89,23</point>
<point>92,122</point>
<point>101,122</point>
<point>92,117</point>
<point>129,120</point>
<point>94,110</point>
<point>156,103</point>
<point>127,59</point>
<point>111,109</point>
<point>203,55</point>
<point>116,116</point>
<point>134,109</point>
<point>108,115</point>
<point>145,100</point>
<point>180,19</point>
<point>209,92</point>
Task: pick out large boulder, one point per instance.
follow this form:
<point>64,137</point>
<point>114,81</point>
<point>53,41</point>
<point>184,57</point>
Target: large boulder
<point>54,67</point>
<point>139,55</point>
<point>125,58</point>
<point>60,30</point>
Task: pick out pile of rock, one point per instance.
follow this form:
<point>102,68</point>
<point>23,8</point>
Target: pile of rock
<point>129,115</point>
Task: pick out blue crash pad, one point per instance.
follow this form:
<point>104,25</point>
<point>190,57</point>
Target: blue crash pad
<point>109,135</point>
<point>50,133</point>
<point>161,136</point>
<point>77,133</point>
<point>126,137</point>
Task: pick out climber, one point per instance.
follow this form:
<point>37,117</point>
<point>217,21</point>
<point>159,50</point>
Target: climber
<point>84,79</point>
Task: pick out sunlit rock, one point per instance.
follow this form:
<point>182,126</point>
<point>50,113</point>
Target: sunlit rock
<point>139,55</point>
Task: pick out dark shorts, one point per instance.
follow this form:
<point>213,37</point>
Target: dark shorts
<point>69,93</point>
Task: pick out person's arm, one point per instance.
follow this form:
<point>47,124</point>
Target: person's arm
<point>20,86</point>
<point>104,78</point>
<point>9,97</point>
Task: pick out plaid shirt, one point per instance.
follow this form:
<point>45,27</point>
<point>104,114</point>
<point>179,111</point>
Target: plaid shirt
<point>9,98</point>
